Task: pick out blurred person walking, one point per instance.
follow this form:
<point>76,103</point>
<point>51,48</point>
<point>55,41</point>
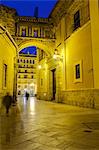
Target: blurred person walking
<point>7,101</point>
<point>27,95</point>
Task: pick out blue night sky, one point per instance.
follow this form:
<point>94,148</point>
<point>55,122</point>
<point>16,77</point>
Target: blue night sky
<point>26,7</point>
<point>29,50</point>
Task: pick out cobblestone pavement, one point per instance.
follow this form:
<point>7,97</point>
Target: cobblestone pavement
<point>42,125</point>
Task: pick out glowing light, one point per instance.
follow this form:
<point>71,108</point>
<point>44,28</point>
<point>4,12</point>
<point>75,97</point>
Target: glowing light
<point>39,66</point>
<point>56,56</point>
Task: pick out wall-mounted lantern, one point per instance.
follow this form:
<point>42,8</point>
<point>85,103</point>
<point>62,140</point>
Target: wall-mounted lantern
<point>57,56</point>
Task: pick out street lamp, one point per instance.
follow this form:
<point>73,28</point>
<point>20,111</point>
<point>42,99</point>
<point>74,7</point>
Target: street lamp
<point>56,56</point>
<point>39,66</point>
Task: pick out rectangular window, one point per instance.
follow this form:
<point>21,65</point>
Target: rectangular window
<point>18,60</point>
<point>35,33</point>
<point>4,75</point>
<point>24,32</point>
<point>77,68</point>
<point>78,72</point>
<point>76,20</point>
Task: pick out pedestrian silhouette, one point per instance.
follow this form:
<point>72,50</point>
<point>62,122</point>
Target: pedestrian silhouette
<point>7,100</point>
<point>27,95</point>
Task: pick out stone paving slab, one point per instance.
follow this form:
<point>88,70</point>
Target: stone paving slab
<point>49,126</point>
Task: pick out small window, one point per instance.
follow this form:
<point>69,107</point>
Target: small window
<point>32,77</point>
<point>27,61</point>
<point>24,32</point>
<point>76,20</point>
<point>78,72</point>
<point>30,61</point>
<point>25,76</point>
<point>24,61</point>
<point>5,75</point>
<point>77,68</point>
<point>33,61</point>
<point>18,60</point>
<point>35,33</point>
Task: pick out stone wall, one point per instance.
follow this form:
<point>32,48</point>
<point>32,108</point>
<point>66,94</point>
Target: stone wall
<point>43,96</point>
<point>7,56</point>
<point>88,98</point>
<point>7,18</point>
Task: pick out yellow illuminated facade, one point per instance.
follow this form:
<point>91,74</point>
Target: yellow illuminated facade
<point>68,69</point>
<point>8,51</point>
<point>26,74</point>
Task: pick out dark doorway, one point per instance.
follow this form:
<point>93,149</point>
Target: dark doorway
<point>53,83</point>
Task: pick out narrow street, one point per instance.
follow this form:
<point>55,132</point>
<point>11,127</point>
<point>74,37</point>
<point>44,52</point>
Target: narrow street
<point>42,125</point>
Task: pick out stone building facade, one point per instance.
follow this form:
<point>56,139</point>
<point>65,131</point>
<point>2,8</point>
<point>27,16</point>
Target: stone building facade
<point>76,26</point>
<point>8,18</point>
<point>69,38</point>
<point>26,74</point>
<point>8,52</point>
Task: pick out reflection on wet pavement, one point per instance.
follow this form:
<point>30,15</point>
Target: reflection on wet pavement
<point>42,125</point>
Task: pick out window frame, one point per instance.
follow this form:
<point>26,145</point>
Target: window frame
<point>78,74</point>
<point>5,71</point>
<point>76,20</point>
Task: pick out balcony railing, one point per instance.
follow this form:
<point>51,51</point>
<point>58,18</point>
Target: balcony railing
<point>51,36</point>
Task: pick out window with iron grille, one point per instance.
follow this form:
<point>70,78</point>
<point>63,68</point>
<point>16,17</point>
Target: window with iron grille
<point>76,20</point>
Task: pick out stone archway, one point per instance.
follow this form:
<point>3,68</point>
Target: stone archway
<point>46,45</point>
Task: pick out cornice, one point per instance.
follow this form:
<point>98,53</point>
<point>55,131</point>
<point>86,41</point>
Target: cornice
<point>60,10</point>
<point>32,19</point>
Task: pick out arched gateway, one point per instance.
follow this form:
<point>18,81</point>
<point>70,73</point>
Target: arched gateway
<point>38,33</point>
